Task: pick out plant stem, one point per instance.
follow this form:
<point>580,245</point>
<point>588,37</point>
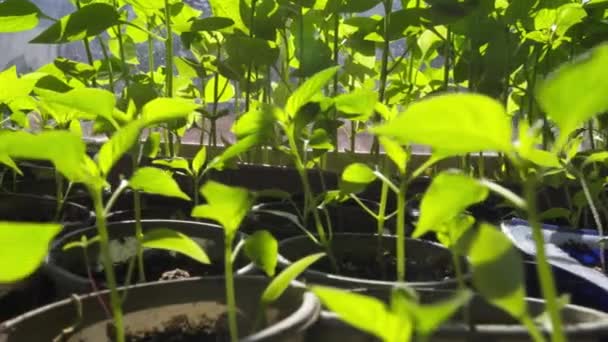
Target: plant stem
<point>121,49</point>
<point>169,66</point>
<point>596,217</point>
<point>151,64</point>
<point>139,233</point>
<point>381,218</point>
<point>250,65</point>
<point>106,257</point>
<point>542,265</point>
<point>388,8</point>
<point>106,56</point>
<point>58,194</point>
<point>230,296</point>
<point>401,231</point>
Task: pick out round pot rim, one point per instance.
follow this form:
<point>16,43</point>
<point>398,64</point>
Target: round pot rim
<point>581,327</point>
<point>66,202</point>
<point>49,266</point>
<point>371,282</point>
<point>307,312</point>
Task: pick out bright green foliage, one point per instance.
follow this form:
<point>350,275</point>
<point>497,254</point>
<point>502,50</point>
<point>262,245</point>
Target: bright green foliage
<point>229,9</point>
<point>25,246</point>
<point>358,104</point>
<point>121,142</point>
<point>570,106</point>
<point>308,90</point>
<point>164,109</point>
<point>7,161</point>
<point>448,196</point>
<point>156,181</point>
<point>88,21</point>
<point>64,149</point>
<point>87,100</point>
<point>177,163</point>
<point>453,124</point>
<point>18,15</point>
<point>225,90</point>
<point>367,314</point>
<point>281,282</point>
<point>396,153</point>
<point>225,204</point>
<point>263,249</point>
<point>174,241</point>
<point>490,250</point>
<point>199,160</point>
<point>356,177</point>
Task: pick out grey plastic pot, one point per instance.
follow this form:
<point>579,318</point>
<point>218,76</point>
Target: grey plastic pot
<point>420,255</point>
<point>491,324</point>
<point>68,271</point>
<point>152,306</point>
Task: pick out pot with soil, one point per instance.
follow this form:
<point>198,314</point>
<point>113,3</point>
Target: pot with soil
<point>72,274</point>
<point>34,291</point>
<point>183,310</point>
<point>263,177</point>
<point>279,218</point>
<point>428,265</point>
<point>33,208</point>
<point>490,323</point>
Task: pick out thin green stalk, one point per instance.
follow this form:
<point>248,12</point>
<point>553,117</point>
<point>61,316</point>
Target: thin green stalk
<point>301,39</point>
<point>542,265</point>
<point>446,64</point>
<point>250,65</point>
<point>388,8</point>
<point>380,220</point>
<point>121,48</point>
<point>401,231</point>
<point>58,194</point>
<point>168,52</point>
<point>596,217</point>
<point>87,46</point>
<point>106,258</point>
<point>230,295</point>
<point>151,64</point>
<point>139,233</point>
<point>533,330</point>
<point>106,56</point>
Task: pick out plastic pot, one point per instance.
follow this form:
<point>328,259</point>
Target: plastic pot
<point>264,177</point>
<point>164,307</point>
<point>71,274</point>
<point>347,217</point>
<point>33,208</point>
<point>428,265</point>
<point>491,324</point>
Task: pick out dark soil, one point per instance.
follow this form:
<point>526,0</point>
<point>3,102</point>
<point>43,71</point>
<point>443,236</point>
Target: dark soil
<point>181,329</point>
<point>358,266</point>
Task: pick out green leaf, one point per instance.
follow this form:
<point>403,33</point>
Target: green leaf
<point>542,158</point>
<point>226,205</point>
<point>152,145</point>
<point>358,104</point>
<point>171,240</point>
<point>89,21</point>
<point>164,109</point>
<point>356,177</point>
<point>229,9</point>
<point>308,90</point>
<point>258,121</point>
<point>121,142</point>
<point>490,250</point>
<point>396,153</point>
<point>449,194</point>
<point>240,49</point>
<point>64,149</point>
<point>156,181</point>
<point>7,161</point>
<point>177,163</point>
<point>597,157</point>
<point>568,106</point>
<point>210,24</point>
<point>241,146</point>
<point>25,245</point>
<point>87,100</point>
<point>199,160</point>
<point>454,124</point>
<point>263,249</point>
<point>225,90</point>
<point>280,283</point>
<point>18,15</point>
<point>429,317</point>
<point>366,313</point>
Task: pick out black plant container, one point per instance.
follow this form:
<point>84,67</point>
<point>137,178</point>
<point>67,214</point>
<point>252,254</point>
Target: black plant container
<point>70,273</point>
<point>158,307</point>
<point>491,324</point>
<point>428,265</point>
